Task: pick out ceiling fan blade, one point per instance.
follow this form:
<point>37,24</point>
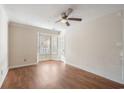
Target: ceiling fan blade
<point>58,21</point>
<point>69,11</point>
<point>75,19</point>
<point>67,23</point>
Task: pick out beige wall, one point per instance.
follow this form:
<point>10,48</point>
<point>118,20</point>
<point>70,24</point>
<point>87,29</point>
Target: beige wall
<point>122,54</point>
<point>24,44</point>
<point>95,46</point>
<point>3,44</point>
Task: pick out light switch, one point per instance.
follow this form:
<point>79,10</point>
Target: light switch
<point>118,44</point>
<point>121,53</point>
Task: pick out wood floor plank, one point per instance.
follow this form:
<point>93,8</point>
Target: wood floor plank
<point>57,75</point>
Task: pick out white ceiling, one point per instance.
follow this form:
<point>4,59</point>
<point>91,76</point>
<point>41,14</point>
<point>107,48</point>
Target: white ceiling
<point>45,15</point>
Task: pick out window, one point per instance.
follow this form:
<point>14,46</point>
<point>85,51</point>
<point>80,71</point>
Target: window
<point>44,45</point>
<point>48,44</point>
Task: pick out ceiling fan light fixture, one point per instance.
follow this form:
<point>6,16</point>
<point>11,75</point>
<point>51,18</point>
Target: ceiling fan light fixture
<point>63,20</point>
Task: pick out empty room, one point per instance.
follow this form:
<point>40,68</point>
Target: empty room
<point>62,46</point>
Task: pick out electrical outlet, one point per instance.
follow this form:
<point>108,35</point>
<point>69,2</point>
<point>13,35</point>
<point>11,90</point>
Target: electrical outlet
<point>25,59</point>
<point>1,72</point>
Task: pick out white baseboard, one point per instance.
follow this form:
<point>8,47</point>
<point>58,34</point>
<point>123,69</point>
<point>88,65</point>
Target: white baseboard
<point>3,78</point>
<point>94,73</point>
<point>49,59</point>
<point>17,66</point>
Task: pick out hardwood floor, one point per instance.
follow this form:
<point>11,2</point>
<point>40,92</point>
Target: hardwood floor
<point>53,74</point>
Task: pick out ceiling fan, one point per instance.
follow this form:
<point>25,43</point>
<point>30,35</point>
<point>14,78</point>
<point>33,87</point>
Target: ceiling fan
<point>65,17</point>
